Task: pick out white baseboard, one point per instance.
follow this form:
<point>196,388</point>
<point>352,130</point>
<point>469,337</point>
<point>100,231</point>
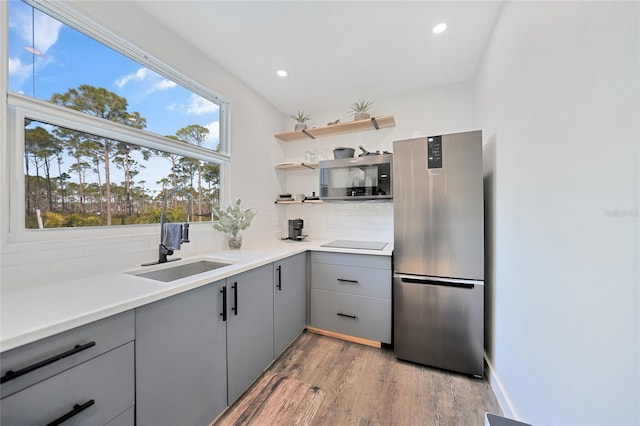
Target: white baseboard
<point>504,401</point>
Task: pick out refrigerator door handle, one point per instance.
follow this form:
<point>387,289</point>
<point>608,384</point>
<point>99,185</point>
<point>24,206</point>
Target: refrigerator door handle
<point>447,282</point>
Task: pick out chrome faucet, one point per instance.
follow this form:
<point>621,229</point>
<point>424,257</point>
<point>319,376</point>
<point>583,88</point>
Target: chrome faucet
<point>164,251</point>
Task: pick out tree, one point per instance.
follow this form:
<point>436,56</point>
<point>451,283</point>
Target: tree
<point>77,148</point>
<point>195,135</point>
<point>211,175</point>
<point>43,147</point>
<point>101,103</point>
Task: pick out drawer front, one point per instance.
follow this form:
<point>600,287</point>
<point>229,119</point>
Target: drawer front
<point>348,259</point>
<point>106,334</point>
<point>360,316</point>
<point>107,380</point>
<point>352,280</point>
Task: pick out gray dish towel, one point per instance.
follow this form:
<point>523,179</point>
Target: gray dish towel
<point>172,235</point>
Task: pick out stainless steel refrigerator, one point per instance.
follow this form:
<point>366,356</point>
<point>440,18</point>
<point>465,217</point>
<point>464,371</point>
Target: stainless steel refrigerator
<point>438,279</point>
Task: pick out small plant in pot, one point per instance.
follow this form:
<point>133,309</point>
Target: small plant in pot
<point>300,117</point>
<point>359,110</point>
<point>231,221</point>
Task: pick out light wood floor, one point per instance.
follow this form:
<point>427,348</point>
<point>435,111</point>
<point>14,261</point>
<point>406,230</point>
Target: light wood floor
<point>369,386</point>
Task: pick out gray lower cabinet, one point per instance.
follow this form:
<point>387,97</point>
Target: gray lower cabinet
<point>351,294</point>
<point>92,393</point>
<point>289,300</point>
<point>249,328</point>
<point>181,376</point>
<point>177,361</point>
<point>84,376</point>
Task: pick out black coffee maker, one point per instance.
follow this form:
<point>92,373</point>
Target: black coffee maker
<point>295,229</point>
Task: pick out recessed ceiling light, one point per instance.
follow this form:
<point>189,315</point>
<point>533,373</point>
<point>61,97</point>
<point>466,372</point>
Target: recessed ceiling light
<point>282,73</point>
<point>439,28</point>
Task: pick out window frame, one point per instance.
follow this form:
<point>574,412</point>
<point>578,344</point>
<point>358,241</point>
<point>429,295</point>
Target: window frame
<point>18,107</point>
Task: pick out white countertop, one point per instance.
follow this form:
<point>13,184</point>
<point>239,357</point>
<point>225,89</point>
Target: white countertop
<point>28,314</point>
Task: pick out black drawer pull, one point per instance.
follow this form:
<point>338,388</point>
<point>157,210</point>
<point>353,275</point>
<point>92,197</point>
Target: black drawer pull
<point>224,303</point>
<point>77,409</point>
<point>235,298</point>
<point>340,314</point>
<point>279,278</point>
<point>10,375</point>
<point>343,280</point>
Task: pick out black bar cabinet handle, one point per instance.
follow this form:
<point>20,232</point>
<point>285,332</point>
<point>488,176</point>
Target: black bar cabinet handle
<point>235,298</point>
<point>438,283</point>
<point>343,280</point>
<point>224,303</point>
<point>10,375</point>
<point>279,278</point>
<point>340,314</point>
<point>77,409</point>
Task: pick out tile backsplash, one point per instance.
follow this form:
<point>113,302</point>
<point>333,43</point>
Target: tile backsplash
<point>358,220</point>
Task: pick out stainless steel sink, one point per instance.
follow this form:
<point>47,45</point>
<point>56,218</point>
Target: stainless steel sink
<point>173,273</point>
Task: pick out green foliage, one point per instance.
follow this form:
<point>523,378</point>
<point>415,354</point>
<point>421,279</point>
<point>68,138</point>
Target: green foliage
<point>361,106</point>
<point>233,219</point>
<point>54,220</point>
<point>300,117</point>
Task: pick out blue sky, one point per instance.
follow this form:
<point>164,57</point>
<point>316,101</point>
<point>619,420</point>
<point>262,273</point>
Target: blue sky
<point>63,58</point>
<point>68,58</point>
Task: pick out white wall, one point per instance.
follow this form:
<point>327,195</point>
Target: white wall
<point>557,95</point>
<point>60,254</point>
<point>428,112</point>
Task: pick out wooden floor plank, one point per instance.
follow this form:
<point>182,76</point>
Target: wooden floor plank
<point>369,386</point>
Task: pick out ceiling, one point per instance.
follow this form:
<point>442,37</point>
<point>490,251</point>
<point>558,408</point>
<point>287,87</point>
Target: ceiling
<point>336,52</point>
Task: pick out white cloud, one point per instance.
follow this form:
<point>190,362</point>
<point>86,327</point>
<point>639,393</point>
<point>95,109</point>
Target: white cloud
<point>214,134</point>
<point>144,82</point>
<point>139,75</point>
<point>19,70</point>
<point>165,84</point>
<point>200,106</point>
<point>46,31</point>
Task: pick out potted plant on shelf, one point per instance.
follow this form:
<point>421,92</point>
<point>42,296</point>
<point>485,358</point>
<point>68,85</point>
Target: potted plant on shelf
<point>231,221</point>
<point>359,110</point>
<point>300,117</point>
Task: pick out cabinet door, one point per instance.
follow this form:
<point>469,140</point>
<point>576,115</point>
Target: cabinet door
<point>181,359</point>
<point>289,300</point>
<point>249,328</point>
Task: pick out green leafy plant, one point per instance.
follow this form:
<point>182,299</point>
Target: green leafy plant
<point>233,219</point>
<point>300,117</point>
<point>361,106</point>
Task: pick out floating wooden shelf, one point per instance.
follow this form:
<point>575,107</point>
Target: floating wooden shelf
<point>373,123</point>
<point>297,166</point>
<point>299,202</point>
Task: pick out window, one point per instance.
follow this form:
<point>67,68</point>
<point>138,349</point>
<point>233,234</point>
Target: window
<point>104,136</point>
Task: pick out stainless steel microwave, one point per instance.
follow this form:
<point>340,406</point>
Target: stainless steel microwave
<point>362,178</point>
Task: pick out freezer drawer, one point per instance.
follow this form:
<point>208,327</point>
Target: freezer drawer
<point>439,323</point>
